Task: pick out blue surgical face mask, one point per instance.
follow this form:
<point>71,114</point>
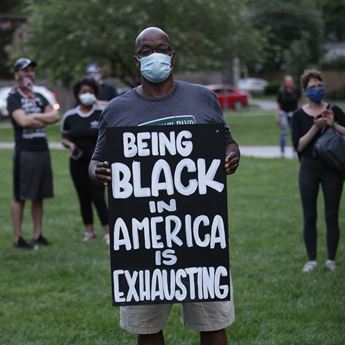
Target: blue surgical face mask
<point>315,94</point>
<point>156,67</point>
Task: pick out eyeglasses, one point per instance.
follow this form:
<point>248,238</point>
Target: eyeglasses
<point>146,51</point>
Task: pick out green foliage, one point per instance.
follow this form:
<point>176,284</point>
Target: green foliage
<point>64,35</point>
<point>298,57</point>
<point>288,25</point>
<point>334,14</point>
<point>273,88</point>
<point>9,21</point>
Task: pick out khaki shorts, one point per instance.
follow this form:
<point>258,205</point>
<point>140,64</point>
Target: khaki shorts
<point>199,316</point>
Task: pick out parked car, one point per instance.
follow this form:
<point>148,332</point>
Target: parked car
<point>255,86</point>
<point>44,91</point>
<point>230,97</point>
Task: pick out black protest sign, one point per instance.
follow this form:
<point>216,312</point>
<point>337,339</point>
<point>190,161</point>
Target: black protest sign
<point>168,214</point>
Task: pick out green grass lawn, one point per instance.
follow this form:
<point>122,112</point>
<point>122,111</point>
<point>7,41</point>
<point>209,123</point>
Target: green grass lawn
<point>62,294</point>
<point>6,131</point>
<point>250,127</point>
<point>253,127</point>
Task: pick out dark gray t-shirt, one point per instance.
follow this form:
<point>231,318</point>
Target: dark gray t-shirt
<point>186,104</point>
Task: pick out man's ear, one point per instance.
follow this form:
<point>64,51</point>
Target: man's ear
<point>137,62</point>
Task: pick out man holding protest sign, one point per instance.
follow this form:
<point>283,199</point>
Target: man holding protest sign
<point>161,100</point>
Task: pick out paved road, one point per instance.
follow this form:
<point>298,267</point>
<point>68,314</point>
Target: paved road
<point>247,151</point>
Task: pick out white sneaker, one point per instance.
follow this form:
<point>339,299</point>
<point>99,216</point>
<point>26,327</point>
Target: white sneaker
<point>309,266</point>
<point>330,264</point>
<point>89,236</point>
<point>106,239</point>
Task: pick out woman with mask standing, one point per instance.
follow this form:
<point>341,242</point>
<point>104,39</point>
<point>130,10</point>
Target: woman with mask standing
<point>79,134</point>
<point>308,124</point>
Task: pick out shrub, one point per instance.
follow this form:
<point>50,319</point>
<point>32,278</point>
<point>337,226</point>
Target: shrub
<point>335,64</point>
<point>272,88</point>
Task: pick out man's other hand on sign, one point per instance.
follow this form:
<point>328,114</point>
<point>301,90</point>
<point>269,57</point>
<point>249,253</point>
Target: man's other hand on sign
<point>100,172</point>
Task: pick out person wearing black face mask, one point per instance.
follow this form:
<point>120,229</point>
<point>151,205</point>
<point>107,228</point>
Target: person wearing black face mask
<point>307,125</point>
<point>79,128</point>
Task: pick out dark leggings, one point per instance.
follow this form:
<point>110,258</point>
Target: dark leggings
<point>88,192</point>
<point>314,173</point>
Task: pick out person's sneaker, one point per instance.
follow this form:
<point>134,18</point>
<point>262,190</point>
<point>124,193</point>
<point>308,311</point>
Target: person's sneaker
<point>106,239</point>
<point>89,236</point>
<point>40,241</point>
<point>309,266</point>
<point>22,244</point>
<point>330,264</point>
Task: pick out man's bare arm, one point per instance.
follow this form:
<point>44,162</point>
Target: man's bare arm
<point>26,121</point>
<point>49,116</point>
<point>36,120</point>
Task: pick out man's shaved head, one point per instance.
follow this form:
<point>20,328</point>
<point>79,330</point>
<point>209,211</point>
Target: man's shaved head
<point>150,34</point>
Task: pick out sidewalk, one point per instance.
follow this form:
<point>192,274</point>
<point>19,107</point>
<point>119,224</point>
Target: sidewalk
<point>52,145</point>
<point>266,151</point>
<point>264,104</point>
<point>247,151</point>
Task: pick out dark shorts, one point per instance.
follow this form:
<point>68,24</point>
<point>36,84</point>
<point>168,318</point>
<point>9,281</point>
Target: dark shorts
<point>32,176</point>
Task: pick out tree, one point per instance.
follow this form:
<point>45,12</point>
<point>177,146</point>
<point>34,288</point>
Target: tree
<point>286,26</point>
<point>64,35</point>
<point>9,21</point>
<point>334,14</point>
<point>297,57</point>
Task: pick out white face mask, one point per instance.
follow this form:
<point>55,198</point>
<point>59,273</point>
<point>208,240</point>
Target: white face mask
<point>87,98</point>
<point>156,67</point>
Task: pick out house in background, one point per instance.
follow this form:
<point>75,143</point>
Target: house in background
<point>334,51</point>
<point>333,68</point>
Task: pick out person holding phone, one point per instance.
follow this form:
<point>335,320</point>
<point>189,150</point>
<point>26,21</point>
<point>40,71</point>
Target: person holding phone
<point>308,124</point>
<point>79,129</point>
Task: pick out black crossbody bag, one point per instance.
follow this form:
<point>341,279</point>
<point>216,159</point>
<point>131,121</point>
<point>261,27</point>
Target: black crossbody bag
<point>330,147</point>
